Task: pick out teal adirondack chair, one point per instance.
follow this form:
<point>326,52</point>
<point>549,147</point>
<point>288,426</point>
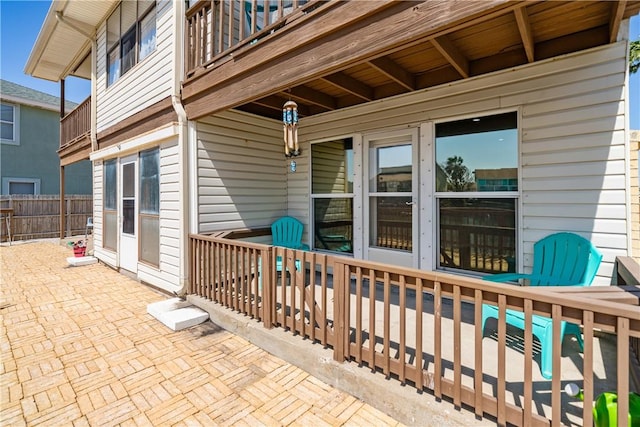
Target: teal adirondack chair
<point>287,232</point>
<point>561,259</point>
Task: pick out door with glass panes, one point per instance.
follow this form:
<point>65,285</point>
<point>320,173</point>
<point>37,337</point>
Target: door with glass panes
<point>391,197</point>
<point>128,208</point>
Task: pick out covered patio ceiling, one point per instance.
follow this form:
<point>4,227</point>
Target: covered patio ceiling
<point>508,37</point>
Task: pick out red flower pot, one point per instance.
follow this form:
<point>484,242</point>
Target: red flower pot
<point>79,251</point>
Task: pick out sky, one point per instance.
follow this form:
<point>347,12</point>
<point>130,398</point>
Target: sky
<point>20,22</point>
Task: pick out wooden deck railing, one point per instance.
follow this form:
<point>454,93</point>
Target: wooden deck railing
<point>215,28</point>
<point>76,124</point>
<point>422,328</point>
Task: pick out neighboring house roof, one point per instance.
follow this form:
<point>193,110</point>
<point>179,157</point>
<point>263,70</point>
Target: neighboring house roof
<point>23,95</point>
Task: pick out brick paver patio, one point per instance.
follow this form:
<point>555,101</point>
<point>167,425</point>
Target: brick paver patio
<point>78,348</point>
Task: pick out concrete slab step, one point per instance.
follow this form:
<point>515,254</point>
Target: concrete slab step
<point>82,260</point>
<point>177,314</point>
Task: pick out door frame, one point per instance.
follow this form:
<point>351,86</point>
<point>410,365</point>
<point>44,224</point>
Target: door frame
<point>128,243</point>
<point>381,139</point>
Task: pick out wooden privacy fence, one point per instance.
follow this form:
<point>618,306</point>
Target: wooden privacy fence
<point>422,328</point>
<point>38,217</point>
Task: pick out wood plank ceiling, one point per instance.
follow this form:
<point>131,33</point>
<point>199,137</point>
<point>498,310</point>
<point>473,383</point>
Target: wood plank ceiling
<point>534,32</point>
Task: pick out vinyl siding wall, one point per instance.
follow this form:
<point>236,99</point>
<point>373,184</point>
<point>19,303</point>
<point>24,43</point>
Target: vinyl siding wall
<point>148,82</point>
<point>242,174</point>
<point>573,155</point>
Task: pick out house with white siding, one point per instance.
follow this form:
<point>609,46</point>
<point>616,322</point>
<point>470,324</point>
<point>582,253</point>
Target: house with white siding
<point>437,136</point>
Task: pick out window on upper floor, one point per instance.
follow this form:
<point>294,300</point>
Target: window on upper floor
<point>20,186</point>
<point>9,126</point>
<point>131,36</point>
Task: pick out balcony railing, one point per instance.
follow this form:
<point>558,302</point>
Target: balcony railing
<point>215,28</point>
<point>76,125</point>
<point>413,325</point>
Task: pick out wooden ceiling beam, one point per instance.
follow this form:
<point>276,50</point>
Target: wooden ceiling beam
<point>452,55</point>
<point>349,84</point>
<point>395,72</point>
<point>617,13</point>
<point>522,18</point>
<point>311,96</point>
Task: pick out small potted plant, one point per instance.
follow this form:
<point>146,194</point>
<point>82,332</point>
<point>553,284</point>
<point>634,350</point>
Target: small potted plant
<point>79,248</point>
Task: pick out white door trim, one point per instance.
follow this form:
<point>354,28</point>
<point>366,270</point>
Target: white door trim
<point>390,138</point>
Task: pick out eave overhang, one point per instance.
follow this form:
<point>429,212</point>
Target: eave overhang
<point>63,45</point>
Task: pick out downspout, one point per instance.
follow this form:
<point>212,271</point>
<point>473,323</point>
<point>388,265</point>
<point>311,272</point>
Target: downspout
<point>183,139</point>
<point>94,48</point>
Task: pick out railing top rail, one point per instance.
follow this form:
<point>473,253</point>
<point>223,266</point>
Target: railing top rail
<point>78,107</point>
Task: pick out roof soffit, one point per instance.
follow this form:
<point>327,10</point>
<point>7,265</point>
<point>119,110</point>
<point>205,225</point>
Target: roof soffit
<point>61,45</point>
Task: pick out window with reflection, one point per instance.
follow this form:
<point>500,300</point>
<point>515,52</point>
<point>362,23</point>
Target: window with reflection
<point>332,195</point>
<point>150,206</point>
<point>109,195</point>
<point>477,193</point>
<point>131,36</point>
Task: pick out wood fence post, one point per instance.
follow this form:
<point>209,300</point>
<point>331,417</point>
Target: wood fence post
<point>68,217</point>
<point>268,288</point>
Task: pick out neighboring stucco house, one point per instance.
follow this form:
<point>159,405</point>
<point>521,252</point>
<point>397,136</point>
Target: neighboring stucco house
<point>30,141</point>
<point>185,136</point>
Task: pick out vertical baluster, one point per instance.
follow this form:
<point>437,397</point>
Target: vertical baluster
<point>457,347</point>
<point>477,378</point>
<point>437,337</point>
<point>403,327</point>
<point>587,367</point>
<point>556,311</point>
<point>220,27</point>
<point>266,15</point>
<point>358,327</point>
<point>387,325</point>
<point>502,346</point>
<point>622,330</point>
<point>419,307</point>
<point>372,320</point>
<point>312,288</point>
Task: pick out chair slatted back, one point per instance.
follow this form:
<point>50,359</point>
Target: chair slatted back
<point>287,232</point>
<point>564,259</point>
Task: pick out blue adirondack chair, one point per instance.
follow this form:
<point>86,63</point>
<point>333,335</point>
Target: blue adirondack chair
<point>561,259</point>
<point>287,232</point>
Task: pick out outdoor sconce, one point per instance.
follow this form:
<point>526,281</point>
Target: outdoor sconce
<point>290,122</point>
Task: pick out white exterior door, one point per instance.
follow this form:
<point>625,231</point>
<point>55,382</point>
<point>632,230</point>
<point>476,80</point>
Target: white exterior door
<point>128,213</point>
<point>391,197</point>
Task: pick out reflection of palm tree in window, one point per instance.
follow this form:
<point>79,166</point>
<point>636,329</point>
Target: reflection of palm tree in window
<point>458,175</point>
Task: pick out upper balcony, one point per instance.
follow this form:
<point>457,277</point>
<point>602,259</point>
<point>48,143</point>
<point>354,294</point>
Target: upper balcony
<point>75,134</point>
<point>328,55</point>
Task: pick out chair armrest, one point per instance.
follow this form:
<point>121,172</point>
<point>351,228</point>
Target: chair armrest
<point>506,277</point>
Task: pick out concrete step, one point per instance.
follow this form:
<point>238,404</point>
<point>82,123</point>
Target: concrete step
<point>82,260</point>
<point>177,314</point>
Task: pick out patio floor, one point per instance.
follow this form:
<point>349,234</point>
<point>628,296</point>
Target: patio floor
<point>78,348</point>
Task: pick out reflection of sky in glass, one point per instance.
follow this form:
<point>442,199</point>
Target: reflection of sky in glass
<point>398,155</point>
<point>486,150</point>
